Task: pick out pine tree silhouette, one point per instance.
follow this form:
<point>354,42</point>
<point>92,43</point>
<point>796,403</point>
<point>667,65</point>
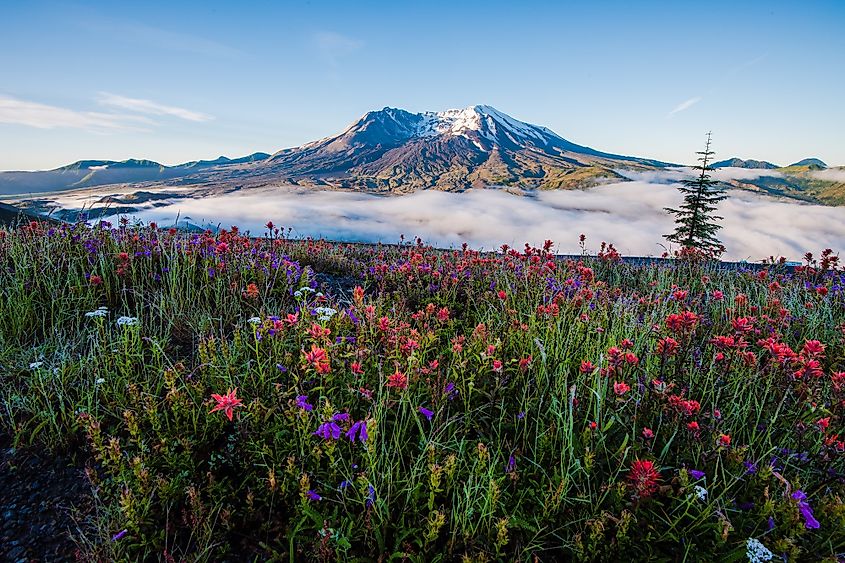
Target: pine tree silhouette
<point>695,221</point>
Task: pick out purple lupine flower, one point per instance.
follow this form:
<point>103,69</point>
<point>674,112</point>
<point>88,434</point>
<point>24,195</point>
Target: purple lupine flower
<point>511,467</point>
<point>328,430</point>
<point>119,535</point>
<point>344,485</point>
<point>806,510</point>
<point>311,494</point>
<point>520,415</point>
<point>302,402</point>
<point>360,428</point>
<point>449,390</point>
<point>425,412</point>
<point>371,496</point>
<point>341,417</point>
<point>696,474</point>
<point>750,467</point>
<point>771,523</point>
<point>282,369</point>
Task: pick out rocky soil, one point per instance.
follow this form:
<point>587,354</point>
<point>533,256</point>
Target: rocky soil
<point>42,499</point>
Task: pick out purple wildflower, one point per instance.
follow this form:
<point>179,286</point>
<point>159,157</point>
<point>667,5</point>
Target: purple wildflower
<point>311,494</point>
<point>371,496</point>
<point>425,412</point>
<point>520,415</point>
<point>696,474</point>
<point>302,402</point>
<point>360,428</point>
<point>344,485</point>
<point>119,535</point>
<point>806,511</point>
<point>511,467</point>
<point>750,467</point>
<point>282,369</point>
<point>328,430</point>
<point>341,417</point>
<point>771,523</point>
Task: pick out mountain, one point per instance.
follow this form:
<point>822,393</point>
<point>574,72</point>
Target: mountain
<point>90,173</point>
<point>396,150</point>
<point>811,162</point>
<point>740,163</point>
<point>222,160</point>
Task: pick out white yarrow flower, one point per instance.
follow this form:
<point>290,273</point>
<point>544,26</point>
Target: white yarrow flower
<point>302,291</point>
<point>99,381</point>
<point>127,321</point>
<point>700,492</point>
<point>254,320</point>
<point>757,552</point>
<point>35,365</point>
<point>325,313</point>
<point>101,312</point>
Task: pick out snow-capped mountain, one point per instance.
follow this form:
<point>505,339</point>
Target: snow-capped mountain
<point>396,150</point>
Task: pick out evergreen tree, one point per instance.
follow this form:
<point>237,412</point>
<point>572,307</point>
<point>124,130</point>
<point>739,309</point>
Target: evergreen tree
<point>695,222</point>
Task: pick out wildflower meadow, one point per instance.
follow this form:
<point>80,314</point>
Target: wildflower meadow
<point>250,397</point>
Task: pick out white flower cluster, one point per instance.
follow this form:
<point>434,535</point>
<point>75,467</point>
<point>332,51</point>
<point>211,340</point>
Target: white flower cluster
<point>301,291</point>
<point>254,320</point>
<point>756,551</point>
<point>325,313</point>
<point>700,492</point>
<point>100,312</point>
<point>35,365</point>
<point>127,321</point>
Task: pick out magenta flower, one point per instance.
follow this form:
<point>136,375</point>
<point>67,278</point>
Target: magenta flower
<point>328,431</point>
<point>360,428</point>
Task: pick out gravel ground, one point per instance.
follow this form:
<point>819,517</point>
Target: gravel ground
<point>39,494</point>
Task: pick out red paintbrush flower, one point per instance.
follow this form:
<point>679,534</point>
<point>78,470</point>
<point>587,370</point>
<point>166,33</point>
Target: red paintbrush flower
<point>398,380</point>
<point>226,403</point>
<point>643,478</point>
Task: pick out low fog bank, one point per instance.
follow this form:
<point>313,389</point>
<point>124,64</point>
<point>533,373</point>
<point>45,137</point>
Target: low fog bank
<point>628,214</point>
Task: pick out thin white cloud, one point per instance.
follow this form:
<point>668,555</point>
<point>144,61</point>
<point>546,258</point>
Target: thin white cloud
<point>43,116</point>
<point>159,38</point>
<point>150,107</point>
<point>332,45</point>
<point>683,106</point>
<point>831,174</point>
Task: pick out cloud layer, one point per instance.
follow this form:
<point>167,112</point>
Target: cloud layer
<point>628,214</point>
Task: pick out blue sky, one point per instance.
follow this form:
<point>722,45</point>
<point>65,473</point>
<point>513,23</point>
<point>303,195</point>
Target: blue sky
<point>177,81</point>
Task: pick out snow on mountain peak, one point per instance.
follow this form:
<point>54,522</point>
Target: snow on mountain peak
<point>485,121</point>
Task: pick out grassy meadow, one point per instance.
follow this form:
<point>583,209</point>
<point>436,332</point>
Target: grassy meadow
<point>239,397</point>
